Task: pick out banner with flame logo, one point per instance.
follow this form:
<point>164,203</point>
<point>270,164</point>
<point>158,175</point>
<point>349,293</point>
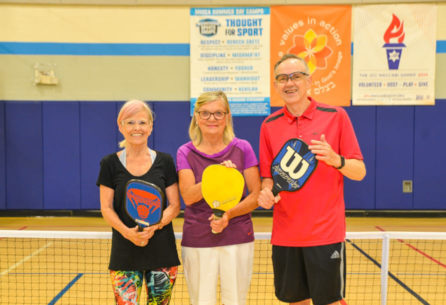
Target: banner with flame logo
<point>322,36</point>
<point>394,54</point>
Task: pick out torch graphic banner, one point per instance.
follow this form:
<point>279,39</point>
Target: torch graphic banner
<point>322,36</point>
<point>394,54</point>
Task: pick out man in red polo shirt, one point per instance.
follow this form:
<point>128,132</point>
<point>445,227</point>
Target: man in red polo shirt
<point>309,224</point>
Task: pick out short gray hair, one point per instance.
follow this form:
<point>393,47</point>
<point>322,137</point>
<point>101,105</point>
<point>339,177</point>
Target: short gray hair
<point>291,56</point>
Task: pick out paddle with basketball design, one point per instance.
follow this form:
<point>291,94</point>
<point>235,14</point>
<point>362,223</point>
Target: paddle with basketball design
<point>144,203</point>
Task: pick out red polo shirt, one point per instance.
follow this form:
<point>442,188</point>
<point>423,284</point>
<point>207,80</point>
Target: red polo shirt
<point>315,214</point>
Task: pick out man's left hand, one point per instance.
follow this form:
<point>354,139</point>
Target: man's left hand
<point>323,151</point>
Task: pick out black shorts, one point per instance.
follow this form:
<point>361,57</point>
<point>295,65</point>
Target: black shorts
<point>302,273</point>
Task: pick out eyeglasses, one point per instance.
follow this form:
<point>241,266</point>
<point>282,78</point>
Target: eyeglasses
<point>206,115</point>
<point>295,77</point>
<point>133,123</point>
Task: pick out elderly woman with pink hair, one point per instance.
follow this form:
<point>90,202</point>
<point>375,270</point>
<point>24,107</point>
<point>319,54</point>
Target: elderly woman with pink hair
<point>150,254</point>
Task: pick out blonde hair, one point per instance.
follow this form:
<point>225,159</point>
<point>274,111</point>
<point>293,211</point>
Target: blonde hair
<point>208,97</point>
<point>130,108</point>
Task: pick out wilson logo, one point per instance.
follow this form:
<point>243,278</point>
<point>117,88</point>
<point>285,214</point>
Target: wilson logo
<point>293,164</point>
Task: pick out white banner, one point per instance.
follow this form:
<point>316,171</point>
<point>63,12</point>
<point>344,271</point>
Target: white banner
<point>229,51</point>
<point>394,54</point>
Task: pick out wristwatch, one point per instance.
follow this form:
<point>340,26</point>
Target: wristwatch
<point>342,162</point>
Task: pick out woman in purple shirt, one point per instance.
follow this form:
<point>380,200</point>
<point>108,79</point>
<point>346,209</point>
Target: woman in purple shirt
<point>228,254</point>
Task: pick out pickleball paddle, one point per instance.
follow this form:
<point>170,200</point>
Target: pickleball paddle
<point>292,166</point>
<point>222,188</point>
<point>144,202</point>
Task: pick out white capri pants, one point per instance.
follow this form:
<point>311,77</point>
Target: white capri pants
<point>202,266</point>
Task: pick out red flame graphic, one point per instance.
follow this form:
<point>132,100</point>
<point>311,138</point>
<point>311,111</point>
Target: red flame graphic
<point>395,30</point>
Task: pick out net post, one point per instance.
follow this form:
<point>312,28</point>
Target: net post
<point>384,268</point>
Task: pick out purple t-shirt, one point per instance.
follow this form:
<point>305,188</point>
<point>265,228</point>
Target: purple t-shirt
<point>196,229</point>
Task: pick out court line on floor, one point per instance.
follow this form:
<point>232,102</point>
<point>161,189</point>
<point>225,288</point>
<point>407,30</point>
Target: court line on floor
<point>391,275</point>
<point>416,249</point>
<point>25,259</point>
<point>65,289</point>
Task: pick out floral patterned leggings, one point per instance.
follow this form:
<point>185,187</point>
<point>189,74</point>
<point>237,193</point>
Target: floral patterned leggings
<point>159,284</point>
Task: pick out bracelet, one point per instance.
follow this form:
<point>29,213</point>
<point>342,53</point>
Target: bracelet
<point>342,163</point>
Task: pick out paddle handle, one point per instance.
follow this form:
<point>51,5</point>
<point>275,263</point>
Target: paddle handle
<point>217,215</point>
<point>275,190</point>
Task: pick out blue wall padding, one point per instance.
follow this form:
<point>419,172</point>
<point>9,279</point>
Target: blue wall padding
<point>24,155</point>
<point>61,158</point>
<point>429,157</point>
<point>50,152</point>
<point>119,136</point>
<point>394,156</point>
<point>171,126</point>
<point>361,195</point>
<point>98,134</point>
<point>248,128</point>
<point>2,158</point>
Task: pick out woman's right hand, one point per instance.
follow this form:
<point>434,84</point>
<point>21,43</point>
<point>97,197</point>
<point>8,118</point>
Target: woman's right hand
<point>140,238</point>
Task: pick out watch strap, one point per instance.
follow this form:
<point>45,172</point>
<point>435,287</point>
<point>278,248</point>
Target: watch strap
<point>342,162</point>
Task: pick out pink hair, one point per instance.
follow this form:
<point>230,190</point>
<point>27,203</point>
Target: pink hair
<point>130,108</point>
